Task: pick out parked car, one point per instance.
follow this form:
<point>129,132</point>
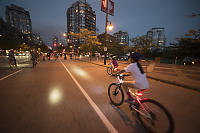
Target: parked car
<point>191,61</point>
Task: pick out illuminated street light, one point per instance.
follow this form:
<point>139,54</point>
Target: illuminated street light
<point>64,34</point>
<point>193,62</point>
<point>110,27</point>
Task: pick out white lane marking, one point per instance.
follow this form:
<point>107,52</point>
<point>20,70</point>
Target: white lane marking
<point>95,107</point>
<point>10,74</point>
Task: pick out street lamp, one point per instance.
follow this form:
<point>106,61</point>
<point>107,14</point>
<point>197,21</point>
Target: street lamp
<point>110,27</point>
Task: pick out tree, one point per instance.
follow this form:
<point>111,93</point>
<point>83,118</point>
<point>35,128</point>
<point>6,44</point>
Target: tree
<point>24,47</point>
<point>189,46</point>
<point>143,45</point>
<point>113,46</point>
<point>44,47</point>
<point>87,40</point>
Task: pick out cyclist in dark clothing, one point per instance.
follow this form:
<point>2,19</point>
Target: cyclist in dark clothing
<point>34,57</point>
<point>11,58</point>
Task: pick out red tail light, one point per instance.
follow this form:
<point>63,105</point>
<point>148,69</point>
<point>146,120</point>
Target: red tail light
<point>139,93</point>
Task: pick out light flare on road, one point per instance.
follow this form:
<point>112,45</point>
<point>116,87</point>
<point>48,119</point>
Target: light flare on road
<point>55,96</point>
<point>80,72</point>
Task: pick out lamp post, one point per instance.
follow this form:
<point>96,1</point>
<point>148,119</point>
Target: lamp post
<point>65,41</point>
<point>108,27</point>
<point>105,49</point>
<point>104,8</point>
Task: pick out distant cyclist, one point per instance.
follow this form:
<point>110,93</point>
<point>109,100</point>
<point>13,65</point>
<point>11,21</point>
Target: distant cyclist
<point>34,57</point>
<point>140,80</point>
<point>49,55</point>
<point>115,64</point>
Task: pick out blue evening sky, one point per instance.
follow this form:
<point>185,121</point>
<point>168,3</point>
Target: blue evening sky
<point>134,16</point>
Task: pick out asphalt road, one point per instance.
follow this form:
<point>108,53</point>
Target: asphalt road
<point>49,99</point>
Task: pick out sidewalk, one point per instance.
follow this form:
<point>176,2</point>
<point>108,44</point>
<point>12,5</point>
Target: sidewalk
<point>183,76</point>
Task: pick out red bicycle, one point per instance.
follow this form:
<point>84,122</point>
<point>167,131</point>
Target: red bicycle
<point>153,116</point>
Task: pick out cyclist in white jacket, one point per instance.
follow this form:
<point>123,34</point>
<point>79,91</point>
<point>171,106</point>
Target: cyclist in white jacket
<point>140,80</point>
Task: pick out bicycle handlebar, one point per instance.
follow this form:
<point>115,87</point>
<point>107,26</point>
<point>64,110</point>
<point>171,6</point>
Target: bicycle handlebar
<point>121,76</point>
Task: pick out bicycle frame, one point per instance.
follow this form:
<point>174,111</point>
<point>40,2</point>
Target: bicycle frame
<point>137,96</point>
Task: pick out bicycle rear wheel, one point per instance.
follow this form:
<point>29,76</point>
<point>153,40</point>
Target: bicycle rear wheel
<point>160,120</point>
<point>115,94</point>
<point>109,70</point>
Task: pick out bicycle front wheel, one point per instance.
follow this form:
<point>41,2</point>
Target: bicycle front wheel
<point>115,94</point>
<point>109,70</point>
<point>154,117</point>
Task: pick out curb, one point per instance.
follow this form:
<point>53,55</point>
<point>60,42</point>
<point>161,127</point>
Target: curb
<point>157,79</point>
<point>175,83</point>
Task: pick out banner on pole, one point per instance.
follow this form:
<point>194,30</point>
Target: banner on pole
<point>104,5</point>
<point>111,7</point>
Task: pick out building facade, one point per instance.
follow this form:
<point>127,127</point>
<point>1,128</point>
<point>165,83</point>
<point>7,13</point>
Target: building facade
<point>79,16</point>
<point>157,36</point>
<point>122,37</point>
<point>36,39</point>
<point>19,18</point>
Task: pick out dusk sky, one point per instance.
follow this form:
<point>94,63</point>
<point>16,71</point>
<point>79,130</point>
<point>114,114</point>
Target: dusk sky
<point>134,16</point>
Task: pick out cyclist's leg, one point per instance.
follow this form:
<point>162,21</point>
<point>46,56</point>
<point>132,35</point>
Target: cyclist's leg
<point>127,84</point>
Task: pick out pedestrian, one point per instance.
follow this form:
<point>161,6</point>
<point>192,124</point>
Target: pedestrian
<point>11,58</point>
<point>65,56</point>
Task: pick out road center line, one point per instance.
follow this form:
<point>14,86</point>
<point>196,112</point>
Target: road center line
<point>94,106</point>
<point>10,74</point>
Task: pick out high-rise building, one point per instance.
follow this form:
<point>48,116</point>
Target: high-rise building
<point>19,18</point>
<point>80,16</point>
<point>157,36</point>
<point>122,37</point>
